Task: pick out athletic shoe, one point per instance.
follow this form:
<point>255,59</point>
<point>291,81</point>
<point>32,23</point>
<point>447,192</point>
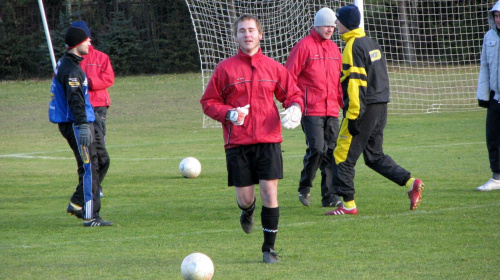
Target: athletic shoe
<point>305,198</point>
<point>75,210</point>
<point>492,184</point>
<point>96,222</point>
<point>270,257</point>
<point>342,211</point>
<point>415,194</point>
<point>334,201</point>
<point>246,221</point>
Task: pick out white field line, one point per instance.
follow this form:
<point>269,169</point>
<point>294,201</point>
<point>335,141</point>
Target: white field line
<point>39,155</point>
<point>283,227</point>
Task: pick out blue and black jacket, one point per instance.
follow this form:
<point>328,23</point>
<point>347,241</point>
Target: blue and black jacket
<point>69,93</point>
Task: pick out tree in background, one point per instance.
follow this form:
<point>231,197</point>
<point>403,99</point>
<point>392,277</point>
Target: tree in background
<point>141,37</point>
<point>121,42</point>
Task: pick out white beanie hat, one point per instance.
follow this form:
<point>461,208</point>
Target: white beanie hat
<point>325,17</point>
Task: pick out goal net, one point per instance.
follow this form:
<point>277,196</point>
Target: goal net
<point>432,47</point>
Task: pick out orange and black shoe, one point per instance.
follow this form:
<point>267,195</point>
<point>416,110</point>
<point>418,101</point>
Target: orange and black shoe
<point>75,210</point>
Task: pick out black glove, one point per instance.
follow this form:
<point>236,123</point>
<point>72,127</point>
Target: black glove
<point>100,123</point>
<point>352,126</point>
<point>484,104</point>
<point>84,135</point>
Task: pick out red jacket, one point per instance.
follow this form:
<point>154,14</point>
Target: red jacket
<point>255,80</point>
<point>316,64</point>
<point>100,76</point>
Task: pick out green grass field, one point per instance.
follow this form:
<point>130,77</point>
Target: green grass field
<point>160,217</point>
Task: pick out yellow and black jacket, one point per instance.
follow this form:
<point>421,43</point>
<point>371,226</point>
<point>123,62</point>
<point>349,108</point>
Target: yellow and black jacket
<point>364,73</point>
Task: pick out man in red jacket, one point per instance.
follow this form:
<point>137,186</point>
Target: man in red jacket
<point>315,63</point>
<point>241,95</point>
<point>100,76</point>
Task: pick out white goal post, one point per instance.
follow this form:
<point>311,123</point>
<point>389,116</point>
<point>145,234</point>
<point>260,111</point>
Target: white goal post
<point>432,47</point>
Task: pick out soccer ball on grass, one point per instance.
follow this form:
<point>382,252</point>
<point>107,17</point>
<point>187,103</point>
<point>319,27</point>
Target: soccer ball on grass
<point>190,167</point>
<point>197,266</point>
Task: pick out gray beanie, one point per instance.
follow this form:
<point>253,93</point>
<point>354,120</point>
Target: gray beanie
<point>325,17</point>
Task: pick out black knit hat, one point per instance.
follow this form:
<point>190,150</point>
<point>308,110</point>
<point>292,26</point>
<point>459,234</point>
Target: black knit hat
<point>83,25</point>
<point>349,16</point>
<point>74,37</point>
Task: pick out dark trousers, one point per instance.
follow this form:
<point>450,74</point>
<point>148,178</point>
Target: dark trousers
<point>100,139</point>
<point>321,137</point>
<point>493,135</point>
<point>369,143</point>
<point>87,190</point>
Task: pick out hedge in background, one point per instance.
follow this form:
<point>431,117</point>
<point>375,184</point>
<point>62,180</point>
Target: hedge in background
<point>142,37</point>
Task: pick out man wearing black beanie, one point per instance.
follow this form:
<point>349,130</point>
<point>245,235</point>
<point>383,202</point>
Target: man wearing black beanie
<point>349,16</point>
<point>365,83</point>
<point>100,76</point>
<point>70,108</point>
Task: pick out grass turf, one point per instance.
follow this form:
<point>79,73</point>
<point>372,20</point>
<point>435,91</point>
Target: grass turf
<point>160,217</point>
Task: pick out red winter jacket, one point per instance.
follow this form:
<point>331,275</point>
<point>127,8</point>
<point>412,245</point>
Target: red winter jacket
<point>316,65</point>
<point>100,76</point>
<point>255,80</point>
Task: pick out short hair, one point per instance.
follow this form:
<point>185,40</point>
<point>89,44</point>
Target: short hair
<point>243,18</point>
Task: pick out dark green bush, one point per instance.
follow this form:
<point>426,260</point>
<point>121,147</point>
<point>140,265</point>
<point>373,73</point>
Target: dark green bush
<point>141,37</point>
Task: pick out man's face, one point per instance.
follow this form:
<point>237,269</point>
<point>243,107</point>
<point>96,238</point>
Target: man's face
<point>341,28</point>
<point>83,48</point>
<point>248,37</point>
<point>325,32</point>
<point>496,15</point>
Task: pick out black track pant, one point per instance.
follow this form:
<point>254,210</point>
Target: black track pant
<point>100,139</point>
<point>87,190</point>
<point>321,136</point>
<point>369,143</point>
<point>493,135</point>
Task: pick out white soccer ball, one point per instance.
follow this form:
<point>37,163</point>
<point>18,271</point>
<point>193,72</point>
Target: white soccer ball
<point>197,266</point>
<point>190,167</point>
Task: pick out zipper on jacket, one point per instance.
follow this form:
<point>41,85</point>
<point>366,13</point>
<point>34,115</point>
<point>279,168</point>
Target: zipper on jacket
<point>305,102</point>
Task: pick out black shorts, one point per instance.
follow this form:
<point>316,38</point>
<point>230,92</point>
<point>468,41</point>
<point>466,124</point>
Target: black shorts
<point>248,164</point>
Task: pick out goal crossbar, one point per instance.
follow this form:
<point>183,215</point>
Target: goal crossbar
<point>432,47</point>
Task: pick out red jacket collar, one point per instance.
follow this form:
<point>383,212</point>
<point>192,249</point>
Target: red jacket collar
<point>318,38</point>
<point>250,59</point>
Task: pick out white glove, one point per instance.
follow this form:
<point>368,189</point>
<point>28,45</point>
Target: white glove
<point>237,115</point>
<point>292,116</point>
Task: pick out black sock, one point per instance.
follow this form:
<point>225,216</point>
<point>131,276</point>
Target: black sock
<point>250,209</point>
<point>269,218</point>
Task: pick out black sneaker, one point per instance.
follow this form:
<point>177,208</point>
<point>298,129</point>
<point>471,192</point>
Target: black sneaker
<point>75,210</point>
<point>96,222</point>
<point>246,221</point>
<point>270,257</point>
<point>305,198</point>
<point>334,201</point>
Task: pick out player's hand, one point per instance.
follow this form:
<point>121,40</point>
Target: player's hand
<point>84,135</point>
<point>237,115</point>
<point>486,103</point>
<point>483,103</point>
<point>352,126</point>
<point>292,116</point>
